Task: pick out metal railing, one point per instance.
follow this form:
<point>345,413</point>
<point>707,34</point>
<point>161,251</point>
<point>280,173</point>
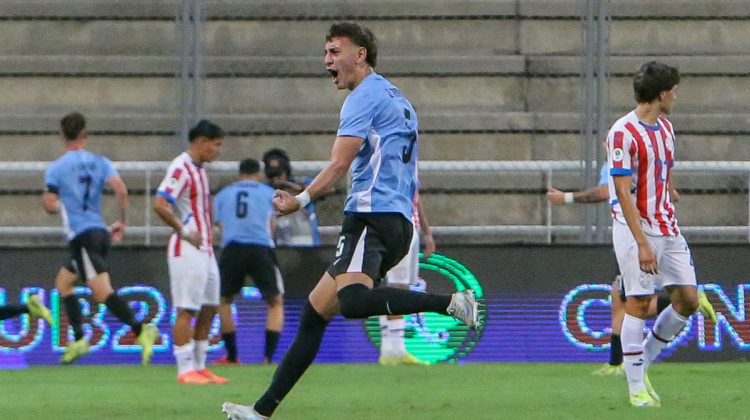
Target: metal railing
<point>539,233</point>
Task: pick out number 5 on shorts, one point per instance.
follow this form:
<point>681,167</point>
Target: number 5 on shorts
<point>340,246</point>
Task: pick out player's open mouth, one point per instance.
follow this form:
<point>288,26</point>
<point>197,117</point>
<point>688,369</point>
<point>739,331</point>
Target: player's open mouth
<point>334,74</point>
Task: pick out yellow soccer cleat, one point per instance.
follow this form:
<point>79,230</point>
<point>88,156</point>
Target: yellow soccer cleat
<point>74,351</point>
<point>146,340</point>
<point>609,370</point>
<point>405,359</point>
<point>705,307</point>
<point>643,399</point>
<point>650,388</point>
<point>37,309</point>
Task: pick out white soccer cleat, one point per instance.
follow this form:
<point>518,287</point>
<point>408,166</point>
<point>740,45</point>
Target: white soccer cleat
<point>241,412</point>
<point>464,307</point>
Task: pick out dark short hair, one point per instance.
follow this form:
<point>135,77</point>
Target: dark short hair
<point>652,79</point>
<point>72,125</point>
<point>360,36</point>
<point>249,166</point>
<point>207,129</point>
<point>285,165</point>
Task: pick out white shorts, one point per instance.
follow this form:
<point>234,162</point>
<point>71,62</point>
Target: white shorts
<point>193,278</point>
<point>675,264</point>
<point>407,270</point>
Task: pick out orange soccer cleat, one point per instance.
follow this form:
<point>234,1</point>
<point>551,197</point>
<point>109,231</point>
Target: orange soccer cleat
<point>212,376</point>
<point>194,378</point>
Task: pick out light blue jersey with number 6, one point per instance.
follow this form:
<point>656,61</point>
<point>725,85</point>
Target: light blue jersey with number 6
<point>245,209</point>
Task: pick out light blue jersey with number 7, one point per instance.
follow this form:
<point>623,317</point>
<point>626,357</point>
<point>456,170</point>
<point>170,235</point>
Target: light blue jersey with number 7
<point>78,177</point>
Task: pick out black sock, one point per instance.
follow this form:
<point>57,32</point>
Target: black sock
<point>122,311</point>
<point>615,351</point>
<point>272,340</point>
<point>75,319</point>
<point>661,303</point>
<point>230,343</point>
<point>9,311</point>
<point>358,302</point>
<point>297,359</point>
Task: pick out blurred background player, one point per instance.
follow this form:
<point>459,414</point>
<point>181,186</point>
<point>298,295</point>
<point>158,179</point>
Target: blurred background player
<point>183,201</point>
<point>404,274</point>
<point>377,132</point>
<point>650,249</point>
<point>299,228</point>
<point>33,307</point>
<point>244,210</point>
<point>599,194</point>
<point>74,184</point>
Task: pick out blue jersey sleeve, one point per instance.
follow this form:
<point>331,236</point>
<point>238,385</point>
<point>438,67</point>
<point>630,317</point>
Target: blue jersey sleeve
<point>604,175</point>
<point>356,115</point>
<point>109,169</point>
<point>51,179</point>
<point>219,205</point>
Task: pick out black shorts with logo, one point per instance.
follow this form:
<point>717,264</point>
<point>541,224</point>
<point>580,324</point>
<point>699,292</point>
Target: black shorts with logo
<point>371,243</point>
<point>88,253</point>
<point>238,261</point>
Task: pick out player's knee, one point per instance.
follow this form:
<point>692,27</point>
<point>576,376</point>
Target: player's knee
<point>275,301</point>
<point>350,301</point>
<point>311,319</point>
<point>687,307</point>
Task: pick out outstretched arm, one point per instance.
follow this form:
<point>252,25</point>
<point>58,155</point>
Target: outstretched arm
<point>590,195</point>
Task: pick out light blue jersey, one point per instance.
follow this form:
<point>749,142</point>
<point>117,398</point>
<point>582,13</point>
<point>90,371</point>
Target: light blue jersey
<point>604,175</point>
<point>78,177</point>
<point>384,172</point>
<point>245,210</point>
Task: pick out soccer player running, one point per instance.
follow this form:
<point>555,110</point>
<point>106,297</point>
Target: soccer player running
<point>183,201</point>
<point>244,210</point>
<point>404,274</point>
<point>377,137</point>
<point>598,194</point>
<point>648,244</point>
<point>74,185</point>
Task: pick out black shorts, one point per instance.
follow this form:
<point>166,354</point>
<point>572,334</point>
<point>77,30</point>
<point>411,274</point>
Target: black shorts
<point>238,261</point>
<point>88,253</point>
<point>371,243</point>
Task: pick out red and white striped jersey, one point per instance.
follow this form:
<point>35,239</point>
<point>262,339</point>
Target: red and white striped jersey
<point>186,187</point>
<point>646,153</point>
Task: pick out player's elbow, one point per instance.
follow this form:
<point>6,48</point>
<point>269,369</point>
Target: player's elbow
<point>340,168</point>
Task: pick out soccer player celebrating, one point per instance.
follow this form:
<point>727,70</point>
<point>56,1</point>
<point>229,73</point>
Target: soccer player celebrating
<point>377,138</point>
<point>648,244</point>
<point>244,210</point>
<point>183,201</point>
<point>404,274</point>
<point>76,180</point>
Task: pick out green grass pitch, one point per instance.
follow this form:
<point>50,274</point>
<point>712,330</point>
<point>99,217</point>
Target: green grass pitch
<point>473,391</point>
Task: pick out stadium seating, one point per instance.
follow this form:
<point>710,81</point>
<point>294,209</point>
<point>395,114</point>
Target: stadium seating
<point>492,80</point>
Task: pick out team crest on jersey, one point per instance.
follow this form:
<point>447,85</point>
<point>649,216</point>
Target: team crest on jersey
<point>617,155</point>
